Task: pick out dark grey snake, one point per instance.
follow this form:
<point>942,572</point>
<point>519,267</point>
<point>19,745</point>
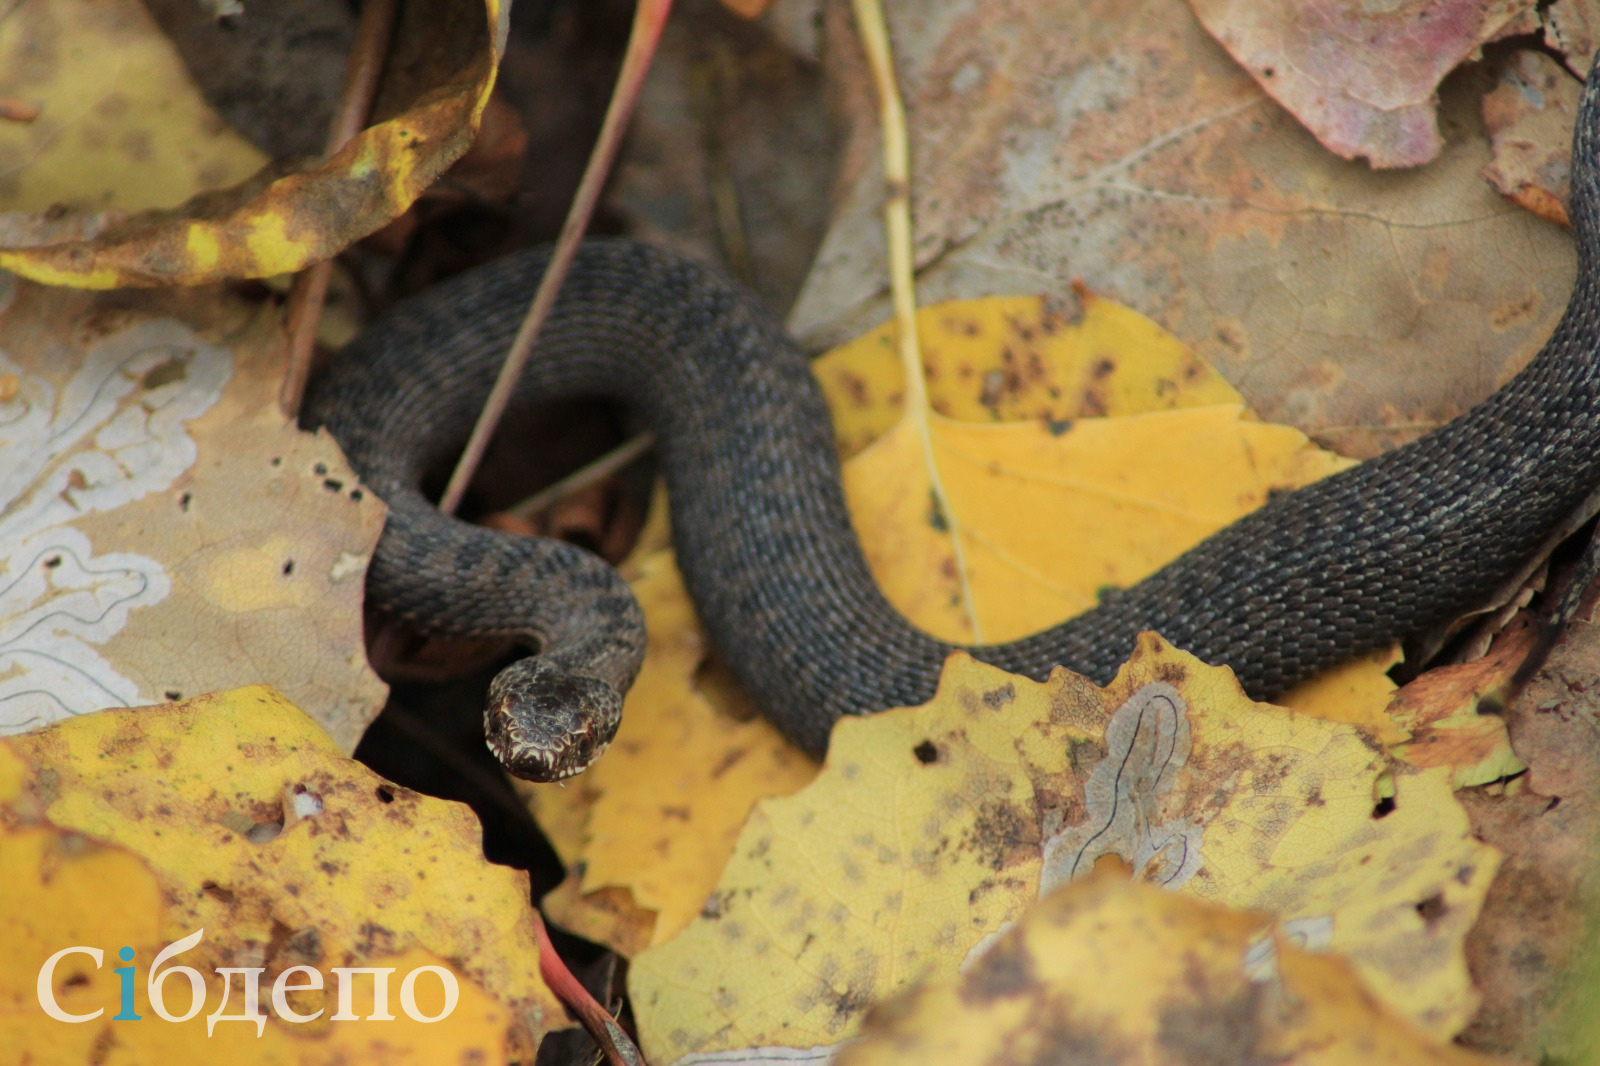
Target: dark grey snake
<point>762,536</point>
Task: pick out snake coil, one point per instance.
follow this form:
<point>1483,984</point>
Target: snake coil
<point>765,544</point>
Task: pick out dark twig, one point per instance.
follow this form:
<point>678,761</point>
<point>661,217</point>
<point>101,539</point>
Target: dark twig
<point>648,18</point>
<point>310,289</point>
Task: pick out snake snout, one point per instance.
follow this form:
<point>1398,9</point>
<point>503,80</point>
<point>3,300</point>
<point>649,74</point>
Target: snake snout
<point>544,724</point>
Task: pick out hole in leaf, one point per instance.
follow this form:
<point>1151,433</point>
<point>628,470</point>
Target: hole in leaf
<point>1432,909</point>
<point>1384,807</point>
<point>926,752</point>
<point>385,794</point>
<point>216,892</point>
<point>262,832</point>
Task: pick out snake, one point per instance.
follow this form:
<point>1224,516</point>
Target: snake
<point>1407,540</point>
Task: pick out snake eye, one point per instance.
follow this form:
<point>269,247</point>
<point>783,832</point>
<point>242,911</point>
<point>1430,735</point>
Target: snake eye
<point>546,725</point>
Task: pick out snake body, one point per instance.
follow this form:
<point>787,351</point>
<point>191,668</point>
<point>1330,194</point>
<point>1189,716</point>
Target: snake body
<point>764,541</point>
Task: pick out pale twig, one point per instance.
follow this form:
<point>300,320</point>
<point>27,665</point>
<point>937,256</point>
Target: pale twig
<point>583,477</point>
<point>648,18</point>
<point>902,277</point>
<point>310,289</point>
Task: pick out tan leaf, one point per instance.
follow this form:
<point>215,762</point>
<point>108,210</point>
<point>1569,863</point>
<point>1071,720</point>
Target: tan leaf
<point>1135,154</point>
<point>168,531</point>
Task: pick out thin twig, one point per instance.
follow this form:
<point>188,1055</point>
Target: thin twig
<point>612,1041</point>
<point>310,289</point>
<point>902,278</point>
<point>583,477</point>
<point>648,18</point>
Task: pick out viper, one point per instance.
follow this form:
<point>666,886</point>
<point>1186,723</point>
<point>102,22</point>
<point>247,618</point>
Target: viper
<point>1401,542</point>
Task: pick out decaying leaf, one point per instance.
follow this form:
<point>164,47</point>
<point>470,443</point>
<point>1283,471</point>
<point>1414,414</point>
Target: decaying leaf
<point>234,814</point>
<point>1362,77</point>
<point>1106,972</point>
<point>1018,359</point>
<point>168,531</point>
<point>1572,29</point>
<point>1058,505</point>
<point>1453,717</point>
<point>1139,156</point>
<point>1533,948</point>
<point>931,829</point>
<point>1529,120</point>
<point>141,206</point>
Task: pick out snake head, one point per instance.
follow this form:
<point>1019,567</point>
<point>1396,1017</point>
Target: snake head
<point>544,724</point>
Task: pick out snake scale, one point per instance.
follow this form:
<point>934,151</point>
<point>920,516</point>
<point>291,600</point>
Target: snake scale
<point>1401,542</point>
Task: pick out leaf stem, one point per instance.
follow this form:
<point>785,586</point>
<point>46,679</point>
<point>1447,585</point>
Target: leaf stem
<point>902,278</point>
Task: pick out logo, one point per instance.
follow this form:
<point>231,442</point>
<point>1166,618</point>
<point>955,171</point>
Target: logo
<point>293,979</point>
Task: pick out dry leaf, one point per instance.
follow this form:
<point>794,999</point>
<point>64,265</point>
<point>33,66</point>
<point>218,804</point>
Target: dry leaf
<point>234,814</point>
<point>1362,77</point>
<point>168,531</point>
<point>1120,145</point>
<point>1529,119</point>
<point>1114,973</point>
<point>1016,359</point>
<point>1531,950</point>
<point>930,829</point>
<point>689,762</point>
<point>140,207</point>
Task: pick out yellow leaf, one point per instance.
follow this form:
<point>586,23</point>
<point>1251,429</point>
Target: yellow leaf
<point>1014,359</point>
<point>930,829</point>
<point>667,822</point>
<point>1055,507</point>
<point>1050,519</point>
<point>235,814</point>
<point>120,126</point>
<point>165,168</point>
<point>1121,973</point>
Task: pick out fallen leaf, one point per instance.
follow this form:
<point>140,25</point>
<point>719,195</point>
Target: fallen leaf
<point>1570,28</point>
<point>645,833</point>
<point>1017,359</point>
<point>1050,518</point>
<point>1108,972</point>
<point>168,531</point>
<point>672,792</point>
<point>1531,950</point>
<point>1132,152</point>
<point>1362,77</point>
<point>301,857</point>
<point>1453,717</point>
<point>1529,119</point>
<point>931,829</point>
<point>171,226</point>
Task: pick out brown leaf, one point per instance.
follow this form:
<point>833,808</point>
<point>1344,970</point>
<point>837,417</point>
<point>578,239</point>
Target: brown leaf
<point>1529,119</point>
<point>1362,77</point>
<point>1122,146</point>
<point>1529,950</point>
